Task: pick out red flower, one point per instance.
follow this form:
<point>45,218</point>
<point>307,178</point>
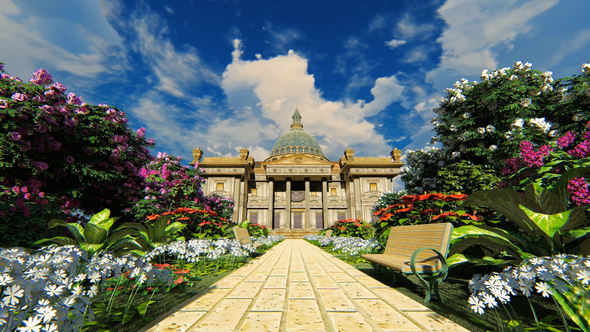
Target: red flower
<point>179,280</point>
<point>202,224</point>
<point>181,271</point>
<point>153,216</point>
<point>184,218</point>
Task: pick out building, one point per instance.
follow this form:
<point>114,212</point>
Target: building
<point>297,190</point>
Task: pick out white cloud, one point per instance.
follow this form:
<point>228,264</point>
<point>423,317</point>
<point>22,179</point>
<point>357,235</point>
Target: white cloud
<point>282,38</point>
<point>416,55</point>
<point>237,53</point>
<point>282,83</point>
<point>475,29</point>
<point>395,43</point>
<point>407,28</point>
<point>177,71</point>
<point>80,46</point>
<point>169,10</point>
<point>580,40</point>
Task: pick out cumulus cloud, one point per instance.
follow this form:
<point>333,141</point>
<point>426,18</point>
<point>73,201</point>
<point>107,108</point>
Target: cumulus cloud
<point>282,83</point>
<point>475,29</point>
<point>395,43</point>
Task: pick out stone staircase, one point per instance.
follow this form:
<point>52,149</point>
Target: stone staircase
<point>294,233</point>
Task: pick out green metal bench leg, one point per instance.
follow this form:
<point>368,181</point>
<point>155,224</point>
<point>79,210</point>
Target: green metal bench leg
<point>393,278</point>
<point>442,275</point>
<point>376,268</point>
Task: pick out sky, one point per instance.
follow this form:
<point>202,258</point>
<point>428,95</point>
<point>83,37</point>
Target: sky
<point>227,74</point>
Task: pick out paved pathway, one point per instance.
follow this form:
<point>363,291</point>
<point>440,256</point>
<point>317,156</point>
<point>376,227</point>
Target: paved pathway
<point>296,286</point>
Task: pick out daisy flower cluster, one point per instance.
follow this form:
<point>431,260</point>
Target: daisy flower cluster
<point>47,291</point>
<point>269,240</point>
<point>543,275</point>
<point>345,245</point>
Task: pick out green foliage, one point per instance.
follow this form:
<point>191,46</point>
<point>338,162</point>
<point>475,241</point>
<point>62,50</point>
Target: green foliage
<point>153,235</point>
<point>544,225</point>
<point>351,228</point>
<point>465,177</point>
<point>94,236</point>
<point>576,304</point>
<point>254,229</point>
<point>477,122</point>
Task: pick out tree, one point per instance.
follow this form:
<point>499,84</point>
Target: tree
<point>484,123</point>
<point>58,151</point>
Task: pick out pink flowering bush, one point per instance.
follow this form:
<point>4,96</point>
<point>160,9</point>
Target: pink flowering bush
<point>59,154</point>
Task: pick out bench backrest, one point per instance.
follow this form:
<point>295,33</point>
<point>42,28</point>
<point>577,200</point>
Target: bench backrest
<point>328,233</point>
<point>404,240</point>
<point>242,235</point>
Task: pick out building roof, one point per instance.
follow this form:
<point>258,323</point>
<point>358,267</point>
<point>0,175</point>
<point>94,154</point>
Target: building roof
<point>296,140</point>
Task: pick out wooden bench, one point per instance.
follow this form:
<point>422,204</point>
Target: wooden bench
<point>243,236</point>
<point>417,249</point>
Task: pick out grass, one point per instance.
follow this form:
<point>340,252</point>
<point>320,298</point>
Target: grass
<point>203,276</point>
<point>455,293</point>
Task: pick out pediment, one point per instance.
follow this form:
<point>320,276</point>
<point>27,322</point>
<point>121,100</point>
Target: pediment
<point>299,159</point>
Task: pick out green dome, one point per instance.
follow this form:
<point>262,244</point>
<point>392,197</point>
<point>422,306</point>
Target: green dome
<point>296,140</point>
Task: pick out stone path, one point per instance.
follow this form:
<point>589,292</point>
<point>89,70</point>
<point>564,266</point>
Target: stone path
<point>296,286</point>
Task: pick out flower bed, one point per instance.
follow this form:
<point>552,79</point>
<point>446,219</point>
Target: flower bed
<point>60,289</point>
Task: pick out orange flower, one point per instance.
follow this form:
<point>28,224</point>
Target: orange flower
<point>405,210</point>
<point>179,280</point>
<point>184,218</point>
<point>202,224</point>
<point>181,271</point>
<point>153,216</point>
<point>444,215</point>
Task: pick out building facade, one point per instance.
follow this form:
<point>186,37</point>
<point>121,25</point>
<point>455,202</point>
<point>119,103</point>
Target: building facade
<point>297,188</point>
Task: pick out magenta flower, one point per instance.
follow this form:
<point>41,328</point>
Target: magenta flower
<point>48,109</point>
<point>70,159</point>
<point>51,94</point>
<point>151,141</point>
<point>580,193</point>
<point>3,103</point>
<point>566,140</point>
<point>39,99</point>
<point>140,132</point>
<point>19,97</point>
<point>40,77</point>
<point>27,196</point>
<point>15,189</point>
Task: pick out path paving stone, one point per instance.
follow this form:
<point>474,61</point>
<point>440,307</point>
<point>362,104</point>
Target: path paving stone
<point>296,286</point>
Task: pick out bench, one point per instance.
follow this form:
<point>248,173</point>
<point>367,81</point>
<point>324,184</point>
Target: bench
<point>243,236</point>
<point>328,234</point>
<point>417,249</point>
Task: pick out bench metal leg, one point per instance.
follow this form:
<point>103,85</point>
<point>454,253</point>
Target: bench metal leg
<point>376,268</point>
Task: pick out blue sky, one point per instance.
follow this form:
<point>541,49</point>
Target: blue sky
<point>221,75</point>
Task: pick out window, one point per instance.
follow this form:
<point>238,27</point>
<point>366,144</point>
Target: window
<point>277,221</point>
<point>306,150</point>
<point>372,186</point>
<point>341,216</point>
<point>219,186</point>
<point>253,217</point>
<point>300,150</point>
<point>333,191</point>
<point>297,220</point>
<point>254,192</point>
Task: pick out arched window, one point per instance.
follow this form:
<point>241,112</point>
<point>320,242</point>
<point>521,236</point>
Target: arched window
<point>306,150</point>
<point>288,150</point>
<point>300,150</point>
<point>282,150</point>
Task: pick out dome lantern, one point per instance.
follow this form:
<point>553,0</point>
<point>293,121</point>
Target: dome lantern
<point>296,141</point>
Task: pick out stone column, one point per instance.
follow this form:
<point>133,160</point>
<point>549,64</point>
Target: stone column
<point>237,200</point>
<point>271,199</point>
<point>307,209</point>
<point>325,203</point>
<point>288,207</point>
<point>357,199</point>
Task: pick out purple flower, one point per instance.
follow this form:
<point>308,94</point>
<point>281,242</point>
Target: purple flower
<point>39,99</point>
<point>51,94</point>
<point>15,135</point>
<point>40,77</point>
<point>70,159</point>
<point>15,189</point>
<point>72,99</point>
<point>27,196</point>
<point>140,132</point>
<point>580,193</point>
<point>151,141</point>
<point>41,166</point>
<point>566,140</point>
<point>3,103</point>
<point>57,86</point>
<point>48,109</point>
<point>19,97</point>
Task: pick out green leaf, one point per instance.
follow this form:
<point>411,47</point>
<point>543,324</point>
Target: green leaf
<point>576,304</point>
<point>560,187</point>
<point>59,240</point>
<point>94,234</point>
<point>127,317</point>
<point>142,308</point>
<point>549,224</point>
<point>99,217</point>
<point>74,228</point>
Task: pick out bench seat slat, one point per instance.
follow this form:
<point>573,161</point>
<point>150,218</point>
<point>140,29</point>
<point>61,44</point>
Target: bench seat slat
<point>402,263</point>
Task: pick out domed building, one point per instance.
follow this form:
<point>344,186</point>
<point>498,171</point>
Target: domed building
<point>296,190</point>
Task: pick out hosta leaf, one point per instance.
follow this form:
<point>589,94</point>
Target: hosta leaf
<point>549,224</point>
<point>74,228</point>
<point>94,234</point>
<point>99,217</point>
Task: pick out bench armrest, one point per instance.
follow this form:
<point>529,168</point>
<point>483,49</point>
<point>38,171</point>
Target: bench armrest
<point>445,267</point>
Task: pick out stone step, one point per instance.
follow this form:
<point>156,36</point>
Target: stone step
<point>295,233</point>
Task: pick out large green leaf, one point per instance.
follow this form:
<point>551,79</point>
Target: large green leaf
<point>577,219</point>
<point>74,228</point>
<point>549,202</point>
<point>576,304</point>
<point>59,240</point>
<point>99,217</point>
<point>507,203</point>
<point>549,224</point>
<point>90,248</point>
<point>94,234</point>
